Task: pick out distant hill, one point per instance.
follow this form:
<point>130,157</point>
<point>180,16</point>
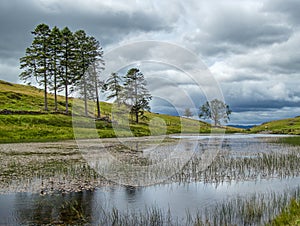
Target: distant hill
<point>242,126</point>
<point>283,126</point>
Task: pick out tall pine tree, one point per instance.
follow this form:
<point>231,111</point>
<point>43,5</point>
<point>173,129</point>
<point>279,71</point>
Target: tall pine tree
<point>36,60</point>
<point>88,54</point>
<point>54,60</point>
<point>135,93</point>
<point>68,62</point>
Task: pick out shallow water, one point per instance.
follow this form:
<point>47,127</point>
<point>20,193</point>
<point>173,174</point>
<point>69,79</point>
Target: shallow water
<point>28,208</point>
<point>22,202</point>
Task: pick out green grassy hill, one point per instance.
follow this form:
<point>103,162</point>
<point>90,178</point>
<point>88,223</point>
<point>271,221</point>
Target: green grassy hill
<point>38,125</point>
<point>283,126</point>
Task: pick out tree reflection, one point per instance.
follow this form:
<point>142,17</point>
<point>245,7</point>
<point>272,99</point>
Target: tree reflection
<point>132,193</point>
<point>72,208</point>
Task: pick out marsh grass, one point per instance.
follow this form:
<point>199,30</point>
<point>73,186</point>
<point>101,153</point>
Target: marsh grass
<point>67,166</point>
<point>58,168</point>
<point>46,171</point>
<point>257,161</point>
<point>254,209</point>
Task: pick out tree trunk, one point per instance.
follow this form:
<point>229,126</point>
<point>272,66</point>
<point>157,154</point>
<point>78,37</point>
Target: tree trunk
<point>67,100</point>
<point>85,98</point>
<point>66,90</point>
<point>136,116</point>
<point>66,82</point>
<point>97,100</point>
<point>45,92</point>
<point>55,85</point>
<point>45,77</point>
<point>136,101</point>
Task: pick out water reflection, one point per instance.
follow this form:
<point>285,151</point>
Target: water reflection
<point>92,207</point>
<point>34,209</point>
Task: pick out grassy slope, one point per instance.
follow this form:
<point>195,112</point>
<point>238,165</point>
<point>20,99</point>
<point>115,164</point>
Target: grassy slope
<point>283,126</point>
<point>27,98</point>
<point>19,128</point>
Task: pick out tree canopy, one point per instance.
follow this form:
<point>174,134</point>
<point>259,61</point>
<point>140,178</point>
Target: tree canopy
<point>135,93</point>
<point>36,59</point>
<point>215,110</point>
<point>59,59</point>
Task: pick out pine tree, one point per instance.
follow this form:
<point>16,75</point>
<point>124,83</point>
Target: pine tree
<point>67,62</point>
<point>135,94</point>
<point>36,60</point>
<point>113,85</point>
<point>94,84</point>
<point>82,59</point>
<point>55,57</point>
<point>88,54</point>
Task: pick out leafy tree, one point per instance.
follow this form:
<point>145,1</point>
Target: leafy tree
<point>135,94</point>
<point>36,59</point>
<point>113,84</point>
<point>188,113</point>
<point>215,110</point>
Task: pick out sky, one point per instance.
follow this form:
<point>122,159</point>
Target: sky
<point>247,50</point>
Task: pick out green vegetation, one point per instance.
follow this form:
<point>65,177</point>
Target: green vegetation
<point>32,123</point>
<point>283,126</point>
<point>294,140</point>
<point>290,216</point>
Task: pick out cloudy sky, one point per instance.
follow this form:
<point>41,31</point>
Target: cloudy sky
<point>250,48</point>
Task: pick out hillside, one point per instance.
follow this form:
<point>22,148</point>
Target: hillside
<point>283,126</point>
<point>26,121</point>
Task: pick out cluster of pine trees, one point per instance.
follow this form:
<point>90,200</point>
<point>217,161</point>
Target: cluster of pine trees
<point>130,91</point>
<point>59,59</point>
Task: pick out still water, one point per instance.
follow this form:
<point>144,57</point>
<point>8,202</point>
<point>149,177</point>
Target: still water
<point>88,207</point>
<point>30,209</point>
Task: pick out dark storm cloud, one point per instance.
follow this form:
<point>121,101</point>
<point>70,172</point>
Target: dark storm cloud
<point>251,47</point>
<point>263,105</point>
<point>287,8</point>
<point>18,18</point>
<point>233,30</point>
